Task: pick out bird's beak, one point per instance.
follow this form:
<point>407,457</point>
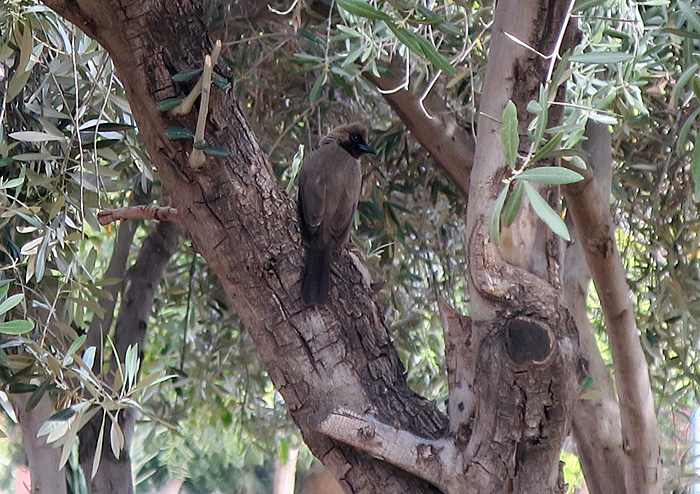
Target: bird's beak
<point>367,149</point>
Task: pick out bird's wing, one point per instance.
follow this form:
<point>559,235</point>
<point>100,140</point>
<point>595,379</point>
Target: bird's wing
<point>312,193</point>
<point>347,202</point>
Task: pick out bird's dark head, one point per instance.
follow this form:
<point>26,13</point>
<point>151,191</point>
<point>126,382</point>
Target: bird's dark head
<point>351,137</point>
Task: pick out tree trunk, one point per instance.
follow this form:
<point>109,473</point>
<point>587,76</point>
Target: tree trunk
<point>529,366</point>
<point>43,459</point>
<point>246,227</point>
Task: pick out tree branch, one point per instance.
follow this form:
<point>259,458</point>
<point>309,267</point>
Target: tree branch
<point>142,212</point>
<point>595,420</point>
<point>144,278</point>
<point>100,326</point>
<point>435,460</point>
<point>640,437</point>
<point>43,459</point>
<point>438,132</point>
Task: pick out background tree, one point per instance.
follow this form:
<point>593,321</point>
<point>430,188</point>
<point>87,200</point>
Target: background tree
<point>411,221</point>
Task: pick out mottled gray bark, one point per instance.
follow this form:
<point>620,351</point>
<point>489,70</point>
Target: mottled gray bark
<point>590,212</point>
<point>596,417</point>
<point>43,459</point>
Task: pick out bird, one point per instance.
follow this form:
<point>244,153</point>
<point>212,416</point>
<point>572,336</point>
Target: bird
<point>330,183</point>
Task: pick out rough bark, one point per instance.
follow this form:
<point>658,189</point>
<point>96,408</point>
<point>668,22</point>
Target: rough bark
<point>43,459</point>
<point>595,422</point>
<point>114,475</point>
<point>528,366</point>
<point>460,362</point>
<point>246,228</point>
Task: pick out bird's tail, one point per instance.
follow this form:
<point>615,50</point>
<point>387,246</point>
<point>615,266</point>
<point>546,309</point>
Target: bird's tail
<point>316,280</point>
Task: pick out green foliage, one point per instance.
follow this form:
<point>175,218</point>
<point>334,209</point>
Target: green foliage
<point>545,212</point>
<point>512,207</point>
<point>363,9</point>
<point>179,133</point>
<point>495,222</point>
<point>169,103</point>
<point>509,133</point>
<point>550,175</point>
<point>68,147</point>
<point>655,108</point>
<point>573,477</point>
<point>15,327</point>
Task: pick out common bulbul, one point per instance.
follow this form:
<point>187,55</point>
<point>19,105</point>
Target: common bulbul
<point>330,182</point>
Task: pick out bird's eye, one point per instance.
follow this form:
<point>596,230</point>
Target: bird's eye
<point>355,138</point>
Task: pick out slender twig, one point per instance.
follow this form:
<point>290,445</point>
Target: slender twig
<point>143,212</point>
<point>77,131</point>
<point>188,102</point>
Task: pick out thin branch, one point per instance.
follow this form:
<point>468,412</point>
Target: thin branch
<point>404,84</point>
<point>188,102</point>
<point>640,436</point>
<point>136,307</point>
<point>284,12</point>
<point>197,158</point>
<point>595,418</point>
<point>99,326</point>
<point>426,92</point>
<point>144,212</point>
<point>560,39</point>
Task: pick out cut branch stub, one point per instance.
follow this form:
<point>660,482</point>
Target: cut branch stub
<point>528,341</point>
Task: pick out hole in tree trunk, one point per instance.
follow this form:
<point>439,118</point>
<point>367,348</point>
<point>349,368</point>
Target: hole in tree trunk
<point>527,341</point>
